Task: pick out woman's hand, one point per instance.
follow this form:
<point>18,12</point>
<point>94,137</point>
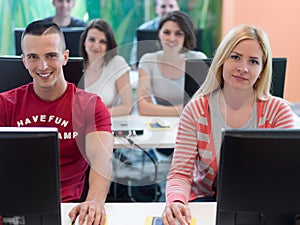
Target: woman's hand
<point>176,211</point>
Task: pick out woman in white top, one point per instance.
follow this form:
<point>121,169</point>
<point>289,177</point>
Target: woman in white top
<point>161,74</point>
<point>106,73</point>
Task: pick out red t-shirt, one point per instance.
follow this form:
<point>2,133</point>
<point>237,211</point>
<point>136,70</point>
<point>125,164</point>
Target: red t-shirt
<point>75,114</point>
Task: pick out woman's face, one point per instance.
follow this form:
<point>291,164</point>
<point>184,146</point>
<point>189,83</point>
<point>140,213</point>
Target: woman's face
<point>171,37</point>
<point>243,66</point>
<point>95,44</point>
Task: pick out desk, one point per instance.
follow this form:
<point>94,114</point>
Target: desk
<point>135,213</point>
<point>157,139</point>
<point>150,139</point>
<point>297,120</point>
<point>134,78</point>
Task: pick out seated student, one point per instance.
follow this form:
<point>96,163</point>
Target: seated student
<point>161,7</point>
<point>62,17</point>
<point>235,94</point>
<point>81,118</point>
<point>106,72</point>
<point>160,89</point>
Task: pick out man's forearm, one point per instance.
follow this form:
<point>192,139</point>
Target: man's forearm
<point>98,186</point>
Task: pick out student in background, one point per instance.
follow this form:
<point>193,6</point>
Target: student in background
<point>82,119</point>
<point>62,17</point>
<point>235,94</point>
<point>160,89</point>
<point>162,7</point>
<point>106,72</point>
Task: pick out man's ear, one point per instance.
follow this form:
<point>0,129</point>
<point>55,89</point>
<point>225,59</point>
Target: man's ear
<point>66,56</point>
<point>24,60</point>
<point>73,5</point>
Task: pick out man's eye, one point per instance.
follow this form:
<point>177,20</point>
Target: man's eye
<point>52,56</point>
<point>31,57</point>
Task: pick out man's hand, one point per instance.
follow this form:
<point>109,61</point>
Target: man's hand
<point>89,213</point>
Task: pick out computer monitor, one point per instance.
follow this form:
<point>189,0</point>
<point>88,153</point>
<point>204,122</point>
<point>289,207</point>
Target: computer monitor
<point>258,181</point>
<point>72,37</point>
<point>195,74</point>
<point>147,41</point>
<point>196,71</point>
<point>14,73</point>
<point>30,176</point>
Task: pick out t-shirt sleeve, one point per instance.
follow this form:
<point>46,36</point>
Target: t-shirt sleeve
<point>102,116</point>
<point>147,61</point>
<point>97,116</point>
<point>2,113</point>
<point>118,67</point>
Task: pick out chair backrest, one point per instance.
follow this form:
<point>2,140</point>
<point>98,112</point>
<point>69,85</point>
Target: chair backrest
<point>196,71</point>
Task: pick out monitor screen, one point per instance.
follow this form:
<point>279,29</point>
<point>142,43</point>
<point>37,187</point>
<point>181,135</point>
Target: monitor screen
<point>148,41</point>
<point>259,173</point>
<point>29,174</point>
<point>72,37</point>
<point>197,69</point>
<point>14,73</point>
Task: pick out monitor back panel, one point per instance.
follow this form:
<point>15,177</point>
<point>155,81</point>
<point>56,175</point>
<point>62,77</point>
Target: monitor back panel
<point>195,73</point>
<point>72,37</point>
<point>29,173</point>
<point>259,174</point>
<point>14,73</point>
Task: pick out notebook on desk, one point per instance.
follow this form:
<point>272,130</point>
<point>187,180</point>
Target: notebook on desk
<point>127,127</point>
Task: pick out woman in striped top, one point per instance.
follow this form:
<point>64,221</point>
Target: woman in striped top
<point>235,94</point>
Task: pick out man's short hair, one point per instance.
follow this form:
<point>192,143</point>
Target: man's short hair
<point>43,27</point>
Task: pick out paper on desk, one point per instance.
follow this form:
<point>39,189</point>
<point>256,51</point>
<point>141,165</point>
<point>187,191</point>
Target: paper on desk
<point>158,126</point>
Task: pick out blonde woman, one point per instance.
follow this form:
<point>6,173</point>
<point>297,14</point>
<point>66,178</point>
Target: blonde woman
<point>236,94</point>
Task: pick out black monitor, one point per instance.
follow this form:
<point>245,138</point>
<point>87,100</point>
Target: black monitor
<point>14,73</point>
<point>147,41</point>
<point>197,69</point>
<point>195,74</point>
<point>29,174</point>
<point>72,37</point>
<point>259,173</point>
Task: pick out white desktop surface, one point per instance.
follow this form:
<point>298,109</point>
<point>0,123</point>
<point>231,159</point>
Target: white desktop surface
<point>151,138</point>
<point>297,120</point>
<point>157,139</point>
<point>135,213</point>
<point>134,78</point>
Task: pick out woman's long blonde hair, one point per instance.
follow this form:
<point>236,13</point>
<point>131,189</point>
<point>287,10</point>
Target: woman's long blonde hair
<point>214,79</point>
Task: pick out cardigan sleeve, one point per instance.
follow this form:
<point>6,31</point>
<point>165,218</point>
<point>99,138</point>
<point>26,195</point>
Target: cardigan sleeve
<point>180,176</point>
